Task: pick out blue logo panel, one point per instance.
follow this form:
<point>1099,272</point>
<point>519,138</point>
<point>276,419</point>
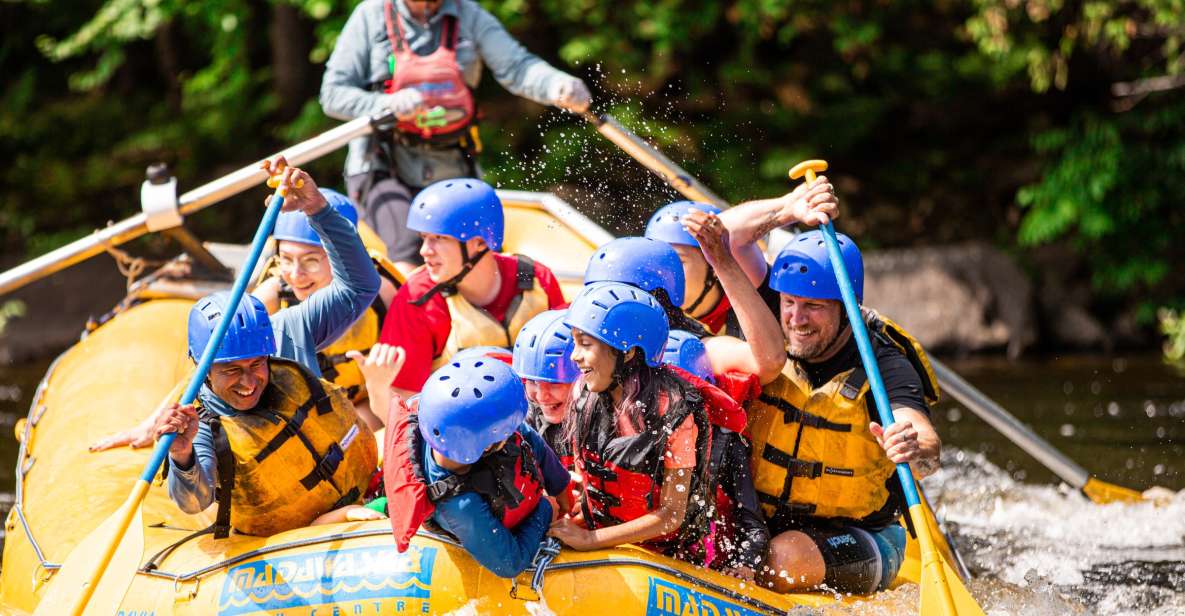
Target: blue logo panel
<point>668,599</point>
<point>295,585</point>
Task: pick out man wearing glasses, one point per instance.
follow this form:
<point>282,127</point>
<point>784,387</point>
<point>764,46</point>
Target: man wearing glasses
<point>422,59</point>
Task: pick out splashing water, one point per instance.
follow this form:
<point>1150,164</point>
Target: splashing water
<point>1040,549</point>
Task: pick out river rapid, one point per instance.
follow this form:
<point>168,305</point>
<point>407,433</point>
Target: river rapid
<point>1034,545</point>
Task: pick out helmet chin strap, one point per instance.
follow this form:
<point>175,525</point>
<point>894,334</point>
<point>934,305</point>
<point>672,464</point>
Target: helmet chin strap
<point>710,282</point>
<point>449,287</point>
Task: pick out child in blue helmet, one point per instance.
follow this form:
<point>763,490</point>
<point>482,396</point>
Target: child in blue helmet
<point>655,267</point>
<point>462,460</point>
<point>639,431</point>
<point>267,365</point>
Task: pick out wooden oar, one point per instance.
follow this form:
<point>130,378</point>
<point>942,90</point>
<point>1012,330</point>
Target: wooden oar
<point>942,592</point>
<point>1022,436</point>
<point>97,573</point>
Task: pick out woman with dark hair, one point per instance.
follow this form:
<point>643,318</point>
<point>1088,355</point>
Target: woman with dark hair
<point>640,432</point>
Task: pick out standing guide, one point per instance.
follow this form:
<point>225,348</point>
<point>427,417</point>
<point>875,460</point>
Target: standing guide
<point>422,59</point>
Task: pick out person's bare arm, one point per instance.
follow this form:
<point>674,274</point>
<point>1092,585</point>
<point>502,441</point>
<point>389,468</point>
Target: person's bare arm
<point>764,353</point>
<point>666,519</point>
<point>750,221</point>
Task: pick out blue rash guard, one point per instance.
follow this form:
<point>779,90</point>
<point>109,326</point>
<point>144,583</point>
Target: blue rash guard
<point>299,330</point>
<point>506,552</point>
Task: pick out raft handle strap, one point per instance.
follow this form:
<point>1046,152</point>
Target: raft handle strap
<point>159,558</point>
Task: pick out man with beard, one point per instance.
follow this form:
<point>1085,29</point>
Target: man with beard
<point>823,468</point>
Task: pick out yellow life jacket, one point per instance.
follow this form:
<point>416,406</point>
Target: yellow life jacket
<point>361,336</point>
<point>813,454</point>
<point>474,327</point>
<point>300,453</point>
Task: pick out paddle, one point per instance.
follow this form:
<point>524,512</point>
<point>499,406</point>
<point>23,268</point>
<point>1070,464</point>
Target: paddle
<point>942,592</point>
<point>1095,489</point>
<point>83,583</point>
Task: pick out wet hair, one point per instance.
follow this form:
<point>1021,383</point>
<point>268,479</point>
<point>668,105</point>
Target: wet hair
<point>640,386</point>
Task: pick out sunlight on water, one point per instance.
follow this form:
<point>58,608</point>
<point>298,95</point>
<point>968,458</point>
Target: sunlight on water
<point>1041,549</point>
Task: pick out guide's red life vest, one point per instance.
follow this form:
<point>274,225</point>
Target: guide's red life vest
<point>623,475</point>
<point>508,479</point>
<point>448,102</point>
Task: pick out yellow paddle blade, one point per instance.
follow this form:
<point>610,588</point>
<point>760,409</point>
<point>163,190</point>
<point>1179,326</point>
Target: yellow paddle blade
<point>942,592</point>
<point>1102,492</point>
<point>100,569</point>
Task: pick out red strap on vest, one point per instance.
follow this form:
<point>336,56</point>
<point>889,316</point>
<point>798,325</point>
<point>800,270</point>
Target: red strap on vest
<point>407,495</point>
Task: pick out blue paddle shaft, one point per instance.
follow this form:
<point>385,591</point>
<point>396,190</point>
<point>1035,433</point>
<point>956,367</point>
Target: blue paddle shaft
<point>866,354</point>
<point>203,367</point>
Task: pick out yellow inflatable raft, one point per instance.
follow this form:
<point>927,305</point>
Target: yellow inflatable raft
<point>122,370</point>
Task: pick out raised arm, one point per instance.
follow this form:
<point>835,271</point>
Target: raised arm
<point>330,311</point>
<point>520,71</point>
<point>764,353</point>
<point>752,220</point>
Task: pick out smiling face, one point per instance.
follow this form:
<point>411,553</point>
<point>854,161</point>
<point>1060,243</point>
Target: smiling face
<point>811,326</point>
<point>304,267</point>
<point>240,383</point>
<point>595,359</point>
<point>551,398</point>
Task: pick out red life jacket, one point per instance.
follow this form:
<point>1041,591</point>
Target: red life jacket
<point>623,475</point>
<point>509,479</point>
<point>448,102</point>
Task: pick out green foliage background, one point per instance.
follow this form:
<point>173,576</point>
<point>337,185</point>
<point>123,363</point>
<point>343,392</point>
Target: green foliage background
<point>1022,122</point>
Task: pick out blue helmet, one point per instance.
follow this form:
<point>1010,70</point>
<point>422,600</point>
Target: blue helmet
<point>643,262</point>
<point>295,227</point>
<point>543,349</point>
<point>249,335</point>
<point>623,317</point>
<point>470,404</point>
<point>666,224</point>
<point>685,350</point>
<point>460,208</point>
<point>803,268</point>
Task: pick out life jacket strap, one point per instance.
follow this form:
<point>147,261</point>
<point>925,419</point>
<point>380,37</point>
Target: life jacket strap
<point>325,468</point>
<point>793,414</point>
<point>785,510</point>
<point>225,460</point>
<point>794,466</point>
<point>449,287</point>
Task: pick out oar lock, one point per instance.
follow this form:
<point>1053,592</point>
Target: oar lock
<point>158,198</point>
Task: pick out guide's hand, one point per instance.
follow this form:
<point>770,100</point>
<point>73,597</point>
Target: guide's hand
<point>405,103</point>
<point>572,95</point>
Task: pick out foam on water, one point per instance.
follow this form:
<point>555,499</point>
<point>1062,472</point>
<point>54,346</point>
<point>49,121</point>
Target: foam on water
<point>1040,549</point>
